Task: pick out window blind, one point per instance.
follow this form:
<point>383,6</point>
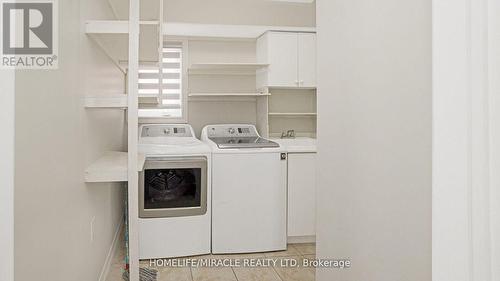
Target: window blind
<point>160,86</point>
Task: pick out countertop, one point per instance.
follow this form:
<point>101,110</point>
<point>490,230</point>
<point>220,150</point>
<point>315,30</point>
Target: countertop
<point>297,145</point>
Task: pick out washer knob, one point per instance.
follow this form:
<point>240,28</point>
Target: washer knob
<point>231,130</point>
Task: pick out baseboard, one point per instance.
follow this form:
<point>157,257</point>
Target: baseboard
<point>301,239</point>
<point>111,253</point>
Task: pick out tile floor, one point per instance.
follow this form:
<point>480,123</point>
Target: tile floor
<point>272,273</point>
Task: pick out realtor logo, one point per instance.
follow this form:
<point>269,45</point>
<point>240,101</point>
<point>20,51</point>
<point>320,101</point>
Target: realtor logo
<point>29,34</point>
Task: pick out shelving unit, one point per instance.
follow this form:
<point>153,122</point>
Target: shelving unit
<point>118,101</point>
<point>288,109</point>
<point>121,42</point>
<point>112,167</point>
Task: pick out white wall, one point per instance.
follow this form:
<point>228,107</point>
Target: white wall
<point>56,138</point>
<point>374,138</point>
<point>7,85</point>
<point>258,12</point>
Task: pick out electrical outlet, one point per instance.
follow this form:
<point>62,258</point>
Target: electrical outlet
<point>92,229</point>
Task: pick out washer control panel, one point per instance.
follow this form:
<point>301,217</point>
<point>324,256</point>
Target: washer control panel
<point>232,131</point>
<point>160,130</point>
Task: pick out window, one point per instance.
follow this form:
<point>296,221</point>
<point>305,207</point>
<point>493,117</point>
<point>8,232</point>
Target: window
<point>161,87</point>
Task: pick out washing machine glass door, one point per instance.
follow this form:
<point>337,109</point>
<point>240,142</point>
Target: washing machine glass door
<point>173,187</point>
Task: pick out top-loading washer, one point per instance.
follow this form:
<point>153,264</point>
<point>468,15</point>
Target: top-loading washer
<point>248,190</point>
<point>174,193</point>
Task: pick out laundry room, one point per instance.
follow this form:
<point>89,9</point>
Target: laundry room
<point>219,140</point>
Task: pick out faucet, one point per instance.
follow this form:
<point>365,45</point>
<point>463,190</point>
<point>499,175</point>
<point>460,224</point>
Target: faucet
<point>290,134</point>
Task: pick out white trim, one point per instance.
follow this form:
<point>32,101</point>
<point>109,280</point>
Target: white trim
<point>494,109</point>
<point>451,237</point>
<point>7,115</point>
<point>479,141</point>
<point>103,276</point>
<point>463,124</point>
<point>301,239</point>
<point>132,119</point>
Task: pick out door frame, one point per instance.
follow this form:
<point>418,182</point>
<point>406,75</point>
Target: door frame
<point>466,117</point>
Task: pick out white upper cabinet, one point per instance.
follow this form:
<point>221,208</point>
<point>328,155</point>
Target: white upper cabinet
<point>279,50</point>
<point>291,57</point>
<point>307,60</point>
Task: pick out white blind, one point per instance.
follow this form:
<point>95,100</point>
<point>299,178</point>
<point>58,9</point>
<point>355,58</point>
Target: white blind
<point>160,87</point>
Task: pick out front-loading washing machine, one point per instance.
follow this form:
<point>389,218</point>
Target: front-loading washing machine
<point>174,193</point>
<point>249,193</point>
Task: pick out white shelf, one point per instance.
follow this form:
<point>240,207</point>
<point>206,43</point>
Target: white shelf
<point>226,30</point>
<point>228,94</point>
<point>106,101</point>
<point>112,167</point>
<point>226,68</point>
<point>292,114</point>
<point>193,29</point>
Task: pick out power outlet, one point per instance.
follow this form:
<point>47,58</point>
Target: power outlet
<point>92,229</point>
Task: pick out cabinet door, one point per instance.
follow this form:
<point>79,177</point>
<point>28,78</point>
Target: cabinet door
<point>282,57</point>
<point>301,194</point>
<point>307,59</point>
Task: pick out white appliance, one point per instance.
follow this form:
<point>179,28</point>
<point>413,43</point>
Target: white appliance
<point>248,190</point>
<point>174,193</point>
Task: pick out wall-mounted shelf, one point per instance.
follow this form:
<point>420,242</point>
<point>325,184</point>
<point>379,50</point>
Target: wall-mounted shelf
<point>112,167</point>
<point>226,68</point>
<point>226,30</point>
<point>287,109</point>
<point>293,114</point>
<point>228,94</point>
<point>194,29</point>
<point>119,101</point>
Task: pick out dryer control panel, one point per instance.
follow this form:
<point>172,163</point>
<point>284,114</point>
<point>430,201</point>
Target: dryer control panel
<point>160,130</point>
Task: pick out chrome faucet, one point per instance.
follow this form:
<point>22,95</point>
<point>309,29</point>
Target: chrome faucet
<point>290,134</point>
